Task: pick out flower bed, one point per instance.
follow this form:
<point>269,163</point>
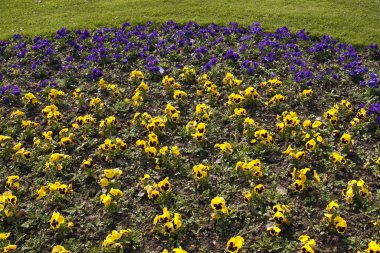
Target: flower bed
<point>161,138</point>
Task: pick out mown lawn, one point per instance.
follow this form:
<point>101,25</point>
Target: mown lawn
<point>356,22</point>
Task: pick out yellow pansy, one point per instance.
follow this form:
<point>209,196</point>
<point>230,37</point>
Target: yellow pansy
<point>235,244</point>
<point>56,220</point>
<point>116,192</point>
<point>274,231</point>
<point>4,236</point>
<point>10,248</point>
<point>219,204</point>
<point>106,199</point>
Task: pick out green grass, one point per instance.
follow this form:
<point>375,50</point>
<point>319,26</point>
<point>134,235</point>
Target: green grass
<point>356,22</point>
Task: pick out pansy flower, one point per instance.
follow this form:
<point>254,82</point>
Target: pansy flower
<point>235,98</point>
<point>274,231</point>
<point>307,93</point>
<point>28,123</point>
<point>239,112</point>
<point>276,99</point>
<point>251,92</point>
<point>361,114</point>
<point>247,196</point>
<point>373,247</point>
<point>16,113</point>
<point>136,74</point>
<point>200,171</point>
<point>337,158</point>
<point>310,145</point>
<point>153,193</point>
<point>262,136</point>
<point>30,98</point>
<point>4,236</point>
<point>164,185</point>
<point>259,189</point>
<point>77,94</point>
<point>151,151</point>
<point>179,250</point>
<point>235,244</point>
<point>116,192</point>
<point>308,244</point>
<point>141,144</point>
<point>332,205</point>
<point>65,141</point>
<point>60,249</point>
<point>340,225</point>
<point>8,198</point>
<point>56,220</point>
<point>112,173</point>
<point>54,93</point>
<point>106,199</point>
<point>178,94</point>
<point>224,147</point>
<point>87,163</point>
<point>346,104</point>
<point>162,218</point>
<point>13,181</point>
<point>355,121</point>
<point>96,103</point>
<point>175,151</point>
<point>219,204</point>
<point>345,139</point>
<point>169,82</point>
<point>102,84</point>
<point>153,140</point>
<point>121,144</point>
<point>279,218</point>
<point>10,248</point>
<point>228,79</point>
<point>112,238</point>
